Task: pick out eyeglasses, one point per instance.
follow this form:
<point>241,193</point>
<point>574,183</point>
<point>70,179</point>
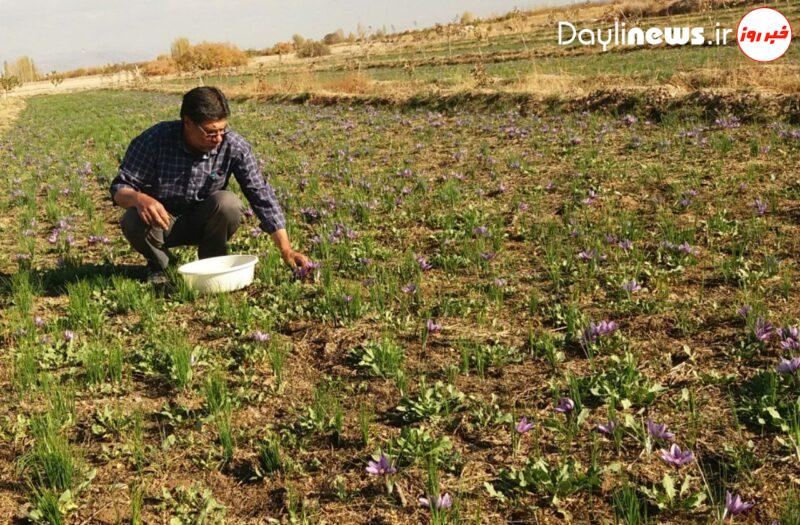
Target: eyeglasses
<point>211,134</point>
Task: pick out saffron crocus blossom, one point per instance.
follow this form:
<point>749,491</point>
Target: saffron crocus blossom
<point>608,428</point>
<point>432,327</point>
<point>631,286</point>
<point>565,405</point>
<point>444,501</point>
<point>382,467</point>
<point>481,230</point>
<point>790,338</point>
<point>259,336</point>
<point>98,239</point>
<point>409,288</point>
<point>69,335</point>
<point>745,310</point>
<point>523,425</point>
<point>587,255</point>
<point>760,206</point>
<point>424,265</point>
<point>38,321</point>
<point>686,248</point>
<point>762,329</point>
<point>625,244</point>
<point>735,506</point>
<point>307,269</point>
<point>788,366</point>
<point>676,457</point>
<point>596,330</point>
<point>659,431</point>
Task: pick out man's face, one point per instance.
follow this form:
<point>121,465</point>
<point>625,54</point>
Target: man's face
<point>204,136</point>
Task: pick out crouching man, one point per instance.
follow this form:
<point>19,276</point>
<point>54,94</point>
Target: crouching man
<point>173,183</point>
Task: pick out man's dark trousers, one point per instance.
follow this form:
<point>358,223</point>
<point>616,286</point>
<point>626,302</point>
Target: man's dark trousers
<point>208,225</point>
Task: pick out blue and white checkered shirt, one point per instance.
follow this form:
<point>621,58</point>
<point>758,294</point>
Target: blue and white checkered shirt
<point>159,164</point>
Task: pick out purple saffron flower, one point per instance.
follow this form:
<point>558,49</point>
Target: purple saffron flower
<point>596,330</point>
<point>523,206</point>
<point>424,265</point>
<point>38,321</point>
<point>790,338</point>
<point>565,405</point>
<point>523,425</point>
<point>348,298</point>
<point>69,335</point>
<point>307,269</point>
<point>481,230</point>
<point>788,366</point>
<point>631,286</point>
<point>763,329</point>
<point>760,206</point>
<point>444,501</point>
<point>675,456</point>
<point>625,244</point>
<point>382,467</point>
<point>432,327</point>
<point>745,310</point>
<point>659,431</point>
<point>259,336</point>
<point>409,288</point>
<point>608,428</point>
<point>686,248</point>
<point>488,256</point>
<point>735,506</point>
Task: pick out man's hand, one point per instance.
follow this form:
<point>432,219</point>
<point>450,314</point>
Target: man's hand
<point>294,259</point>
<point>152,212</point>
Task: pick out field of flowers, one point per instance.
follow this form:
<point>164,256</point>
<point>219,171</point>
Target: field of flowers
<point>516,318</point>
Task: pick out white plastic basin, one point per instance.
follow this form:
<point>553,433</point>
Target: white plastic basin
<point>219,274</point>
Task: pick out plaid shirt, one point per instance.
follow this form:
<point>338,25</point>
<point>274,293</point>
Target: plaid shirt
<point>159,164</point>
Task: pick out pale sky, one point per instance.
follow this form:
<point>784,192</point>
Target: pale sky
<point>66,34</point>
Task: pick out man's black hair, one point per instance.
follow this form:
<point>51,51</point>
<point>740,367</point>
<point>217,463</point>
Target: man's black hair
<point>205,103</point>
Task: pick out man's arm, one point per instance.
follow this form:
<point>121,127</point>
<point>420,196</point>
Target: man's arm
<point>150,210</point>
<point>262,199</point>
<point>134,174</point>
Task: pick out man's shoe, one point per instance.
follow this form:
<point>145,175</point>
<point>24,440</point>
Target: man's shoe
<point>157,276</point>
